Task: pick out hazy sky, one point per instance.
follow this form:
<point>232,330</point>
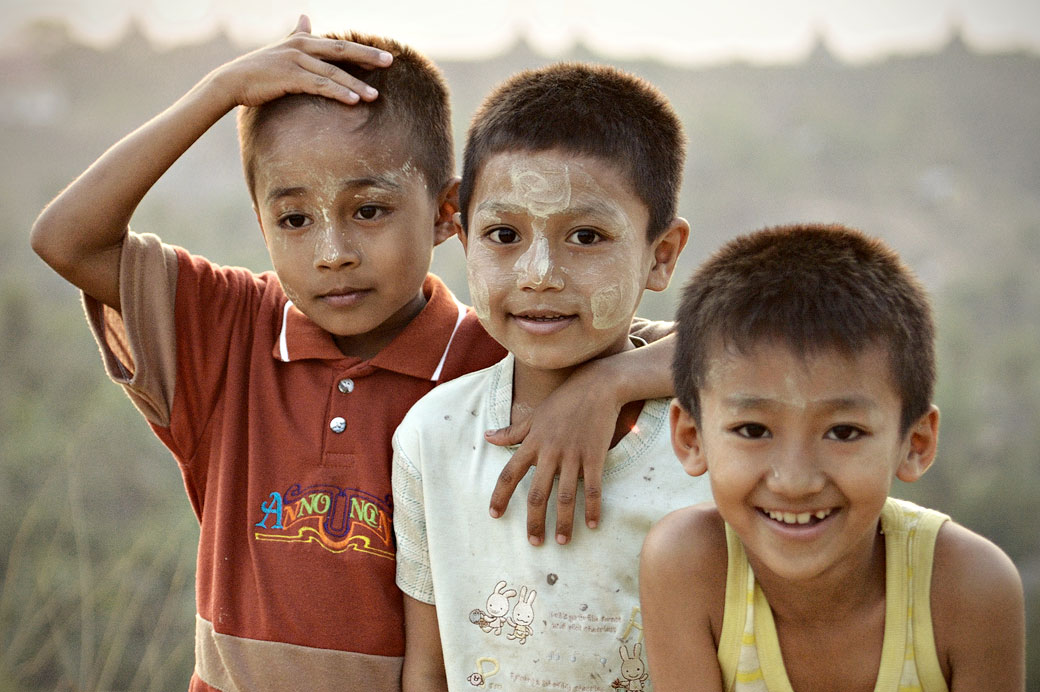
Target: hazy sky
<point>682,31</point>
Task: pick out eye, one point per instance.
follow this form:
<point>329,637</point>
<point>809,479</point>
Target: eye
<point>584,236</point>
<point>369,212</point>
<point>844,433</point>
<point>503,235</point>
<point>752,431</point>
<point>295,221</point>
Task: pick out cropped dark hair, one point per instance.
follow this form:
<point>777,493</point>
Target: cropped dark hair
<point>812,288</point>
<point>413,96</point>
<point>589,110</point>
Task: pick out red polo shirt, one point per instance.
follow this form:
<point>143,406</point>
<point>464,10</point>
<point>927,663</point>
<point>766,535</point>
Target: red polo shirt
<point>284,445</point>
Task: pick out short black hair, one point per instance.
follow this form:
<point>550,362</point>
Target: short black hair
<point>413,96</point>
<point>813,288</point>
<point>591,110</point>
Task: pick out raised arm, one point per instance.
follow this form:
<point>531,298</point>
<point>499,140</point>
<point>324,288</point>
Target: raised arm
<point>557,442</point>
<point>80,234</point>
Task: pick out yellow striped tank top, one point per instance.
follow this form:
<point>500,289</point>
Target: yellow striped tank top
<point>749,650</point>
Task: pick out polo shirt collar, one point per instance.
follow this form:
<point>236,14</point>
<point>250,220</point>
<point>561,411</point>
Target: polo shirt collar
<point>418,351</point>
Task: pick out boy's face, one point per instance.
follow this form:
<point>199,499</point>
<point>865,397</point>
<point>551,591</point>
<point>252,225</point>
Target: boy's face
<point>801,453</point>
<point>557,256</point>
<point>349,222</point>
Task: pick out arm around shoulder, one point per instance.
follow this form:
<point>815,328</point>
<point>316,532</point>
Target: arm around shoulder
<point>978,613</point>
<point>682,586</point>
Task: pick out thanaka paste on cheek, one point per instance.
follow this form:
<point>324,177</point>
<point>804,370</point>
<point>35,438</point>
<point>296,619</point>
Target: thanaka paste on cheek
<point>479,294</point>
<point>610,306</point>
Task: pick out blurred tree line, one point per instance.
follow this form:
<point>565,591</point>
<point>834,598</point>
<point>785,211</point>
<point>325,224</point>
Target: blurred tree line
<point>938,153</point>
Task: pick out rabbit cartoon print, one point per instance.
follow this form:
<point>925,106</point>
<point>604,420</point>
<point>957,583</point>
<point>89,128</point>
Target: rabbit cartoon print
<point>495,614</point>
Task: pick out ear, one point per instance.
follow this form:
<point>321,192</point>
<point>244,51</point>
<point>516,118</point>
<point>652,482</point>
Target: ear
<point>686,440</point>
<point>666,248</point>
<point>447,207</point>
<point>923,443</point>
<point>260,222</point>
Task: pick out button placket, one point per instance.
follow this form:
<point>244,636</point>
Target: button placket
<point>339,424</point>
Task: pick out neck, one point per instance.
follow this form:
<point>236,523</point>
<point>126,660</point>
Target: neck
<point>532,386</point>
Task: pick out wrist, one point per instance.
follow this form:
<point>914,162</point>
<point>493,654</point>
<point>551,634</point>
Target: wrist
<point>601,381</point>
<point>213,95</point>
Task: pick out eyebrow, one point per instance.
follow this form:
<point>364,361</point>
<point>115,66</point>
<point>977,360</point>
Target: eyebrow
<point>380,181</point>
<point>594,209</point>
<point>841,403</point>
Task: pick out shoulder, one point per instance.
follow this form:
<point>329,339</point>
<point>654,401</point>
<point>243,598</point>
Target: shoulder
<point>683,567</point>
<point>457,404</point>
<point>687,546</point>
<point>976,596</point>
<point>968,567</point>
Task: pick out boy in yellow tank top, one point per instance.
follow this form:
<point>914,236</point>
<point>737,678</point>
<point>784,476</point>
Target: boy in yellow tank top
<point>804,374</point>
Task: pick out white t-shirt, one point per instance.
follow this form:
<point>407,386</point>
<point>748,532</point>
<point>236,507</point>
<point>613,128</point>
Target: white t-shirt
<point>513,616</point>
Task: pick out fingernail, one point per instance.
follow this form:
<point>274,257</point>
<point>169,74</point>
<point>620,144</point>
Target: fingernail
<point>370,92</point>
<point>591,524</point>
<point>385,57</point>
<point>495,514</point>
<point>489,433</point>
<point>534,540</point>
<point>561,539</point>
<point>352,97</point>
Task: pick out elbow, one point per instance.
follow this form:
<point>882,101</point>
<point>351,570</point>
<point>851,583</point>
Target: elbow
<point>44,239</point>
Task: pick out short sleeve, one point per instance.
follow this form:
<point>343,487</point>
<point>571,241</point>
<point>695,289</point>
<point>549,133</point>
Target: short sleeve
<point>414,576</point>
<point>138,343</point>
<point>650,331</point>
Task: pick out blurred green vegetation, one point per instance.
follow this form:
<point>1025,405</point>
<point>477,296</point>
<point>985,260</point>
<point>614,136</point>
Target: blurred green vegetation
<point>937,153</point>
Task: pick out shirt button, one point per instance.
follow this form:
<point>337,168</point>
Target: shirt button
<point>338,424</point>
<point>346,385</point>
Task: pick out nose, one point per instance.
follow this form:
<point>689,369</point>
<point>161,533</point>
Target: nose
<point>535,268</point>
<point>795,472</point>
<point>334,248</point>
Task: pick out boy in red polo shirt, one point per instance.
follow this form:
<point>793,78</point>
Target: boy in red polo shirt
<point>278,393</point>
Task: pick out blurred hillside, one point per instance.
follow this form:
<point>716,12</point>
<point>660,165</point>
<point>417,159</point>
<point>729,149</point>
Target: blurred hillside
<point>937,153</point>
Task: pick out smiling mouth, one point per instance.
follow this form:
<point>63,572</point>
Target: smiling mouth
<point>544,318</point>
<point>542,322</point>
<point>797,518</point>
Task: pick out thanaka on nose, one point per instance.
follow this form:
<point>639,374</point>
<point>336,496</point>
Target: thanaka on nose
<point>332,248</point>
<point>535,268</point>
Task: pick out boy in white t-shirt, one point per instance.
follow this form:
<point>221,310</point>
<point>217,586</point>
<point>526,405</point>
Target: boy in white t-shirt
<point>568,205</point>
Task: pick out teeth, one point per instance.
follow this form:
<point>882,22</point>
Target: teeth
<point>797,518</point>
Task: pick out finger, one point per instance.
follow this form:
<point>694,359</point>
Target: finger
<point>593,482</point>
<point>510,435</point>
<point>538,500</point>
<point>566,492</point>
<point>341,50</point>
<point>512,473</point>
<point>325,79</point>
<point>303,25</point>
